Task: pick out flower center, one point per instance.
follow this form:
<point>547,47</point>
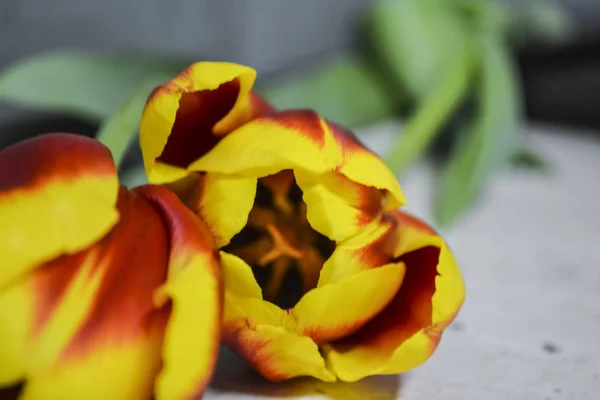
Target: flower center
<point>286,254</point>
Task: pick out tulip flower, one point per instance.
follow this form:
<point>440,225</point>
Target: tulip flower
<point>323,277</point>
<point>105,292</point>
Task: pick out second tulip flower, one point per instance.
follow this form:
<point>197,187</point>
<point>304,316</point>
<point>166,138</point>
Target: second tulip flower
<point>323,277</point>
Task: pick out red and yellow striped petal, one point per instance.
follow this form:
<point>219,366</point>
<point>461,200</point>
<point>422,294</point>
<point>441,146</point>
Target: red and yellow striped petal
<point>87,323</point>
<point>299,139</point>
<point>194,293</point>
<point>262,333</point>
<point>276,353</point>
<point>58,192</point>
<point>336,206</point>
<point>332,311</point>
<point>372,247</point>
<point>407,331</point>
<point>133,316</point>
<point>185,118</point>
<point>330,166</point>
<point>364,167</point>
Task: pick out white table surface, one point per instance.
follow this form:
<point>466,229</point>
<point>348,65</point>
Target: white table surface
<point>530,327</point>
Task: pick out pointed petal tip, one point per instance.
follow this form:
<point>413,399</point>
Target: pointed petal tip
<point>186,117</point>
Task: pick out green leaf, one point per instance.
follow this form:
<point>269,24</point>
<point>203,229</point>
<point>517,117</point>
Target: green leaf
<point>423,127</point>
<point>133,177</point>
<point>118,130</point>
<point>485,14</point>
<point>87,85</point>
<point>345,90</point>
<point>540,21</point>
<point>490,139</point>
<point>416,40</point>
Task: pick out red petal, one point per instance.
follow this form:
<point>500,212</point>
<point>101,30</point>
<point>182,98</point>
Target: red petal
<point>52,156</point>
<point>191,136</point>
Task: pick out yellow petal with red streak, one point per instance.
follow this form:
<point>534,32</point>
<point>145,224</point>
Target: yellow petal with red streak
<point>407,331</point>
<point>262,333</point>
<point>299,139</point>
<point>187,116</point>
<point>57,195</point>
<point>446,302</point>
<point>87,322</point>
<point>278,354</point>
<point>266,145</point>
<point>193,288</point>
<point>372,247</point>
<point>336,206</point>
<point>332,311</point>
<point>19,311</point>
<point>364,167</point>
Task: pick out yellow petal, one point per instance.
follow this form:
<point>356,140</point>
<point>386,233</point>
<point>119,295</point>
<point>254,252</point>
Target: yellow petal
<point>332,311</point>
<point>193,288</point>
<point>186,117</point>
<point>223,202</point>
<point>124,372</point>
<point>238,277</point>
<point>243,298</point>
<point>57,191</point>
<point>408,330</point>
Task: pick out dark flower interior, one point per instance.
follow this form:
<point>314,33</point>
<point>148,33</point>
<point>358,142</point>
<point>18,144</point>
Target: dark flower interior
<point>192,133</point>
<point>286,254</point>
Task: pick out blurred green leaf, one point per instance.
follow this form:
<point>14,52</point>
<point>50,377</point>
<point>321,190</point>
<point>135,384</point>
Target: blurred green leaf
<point>423,127</point>
<point>118,130</point>
<point>491,138</point>
<point>529,159</point>
<point>346,90</point>
<point>491,15</point>
<point>133,177</point>
<point>417,40</point>
<point>87,85</point>
<point>540,21</point>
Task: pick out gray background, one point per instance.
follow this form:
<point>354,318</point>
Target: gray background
<point>267,34</point>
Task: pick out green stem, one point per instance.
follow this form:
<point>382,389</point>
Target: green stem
<point>119,130</point>
<point>434,110</point>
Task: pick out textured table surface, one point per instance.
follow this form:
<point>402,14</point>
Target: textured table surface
<point>530,328</point>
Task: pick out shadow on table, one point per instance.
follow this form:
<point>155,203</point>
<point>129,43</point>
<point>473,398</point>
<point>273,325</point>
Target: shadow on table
<point>233,375</point>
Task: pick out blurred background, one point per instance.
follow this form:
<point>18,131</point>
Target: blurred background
<point>463,76</point>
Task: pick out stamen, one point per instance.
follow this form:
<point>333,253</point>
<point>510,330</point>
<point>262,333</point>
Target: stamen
<point>281,247</point>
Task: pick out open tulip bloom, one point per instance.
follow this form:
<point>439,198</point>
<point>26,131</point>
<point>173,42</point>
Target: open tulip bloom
<point>120,292</point>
